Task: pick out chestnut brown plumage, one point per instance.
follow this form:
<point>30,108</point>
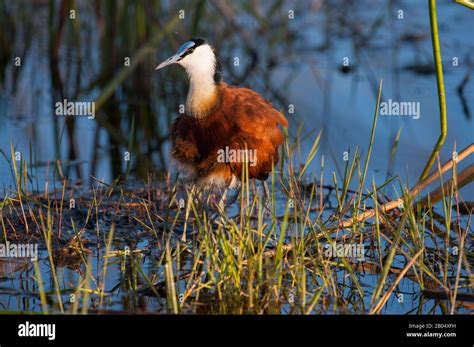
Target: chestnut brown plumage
<point>220,116</point>
<point>240,120</point>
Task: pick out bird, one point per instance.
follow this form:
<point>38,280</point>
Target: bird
<point>220,122</point>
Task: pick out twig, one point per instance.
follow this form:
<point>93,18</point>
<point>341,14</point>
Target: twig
<point>443,295</point>
<point>463,178</point>
<point>467,3</point>
<point>413,192</point>
<point>391,204</point>
<point>385,297</point>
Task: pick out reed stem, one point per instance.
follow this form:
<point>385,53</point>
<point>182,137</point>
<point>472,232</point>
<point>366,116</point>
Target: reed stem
<point>440,85</point>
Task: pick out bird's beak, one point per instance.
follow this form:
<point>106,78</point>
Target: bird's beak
<point>171,60</point>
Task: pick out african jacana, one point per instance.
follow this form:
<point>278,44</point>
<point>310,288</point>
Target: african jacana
<point>220,118</point>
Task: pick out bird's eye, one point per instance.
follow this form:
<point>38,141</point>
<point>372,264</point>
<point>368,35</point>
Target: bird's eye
<point>186,52</point>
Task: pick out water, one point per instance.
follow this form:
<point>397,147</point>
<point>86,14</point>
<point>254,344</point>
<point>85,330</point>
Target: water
<point>307,76</point>
<point>342,105</point>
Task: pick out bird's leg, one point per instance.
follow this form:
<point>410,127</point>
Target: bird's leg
<point>221,206</point>
<point>267,198</point>
<point>234,197</point>
<point>213,205</point>
<point>224,204</point>
<point>191,193</point>
<point>213,197</point>
<point>216,216</point>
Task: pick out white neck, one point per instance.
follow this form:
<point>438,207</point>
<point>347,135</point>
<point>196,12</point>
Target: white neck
<point>200,67</point>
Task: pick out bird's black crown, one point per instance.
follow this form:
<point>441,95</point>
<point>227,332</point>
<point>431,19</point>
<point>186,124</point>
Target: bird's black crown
<point>198,41</point>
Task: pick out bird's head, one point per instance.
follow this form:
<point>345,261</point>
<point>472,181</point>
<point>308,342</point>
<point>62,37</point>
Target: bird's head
<point>196,56</point>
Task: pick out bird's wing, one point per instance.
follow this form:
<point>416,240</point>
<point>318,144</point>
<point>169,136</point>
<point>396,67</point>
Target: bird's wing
<point>258,123</point>
<point>242,120</point>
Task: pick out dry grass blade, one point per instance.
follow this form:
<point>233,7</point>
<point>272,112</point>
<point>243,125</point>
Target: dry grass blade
<point>413,192</point>
<point>378,307</point>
